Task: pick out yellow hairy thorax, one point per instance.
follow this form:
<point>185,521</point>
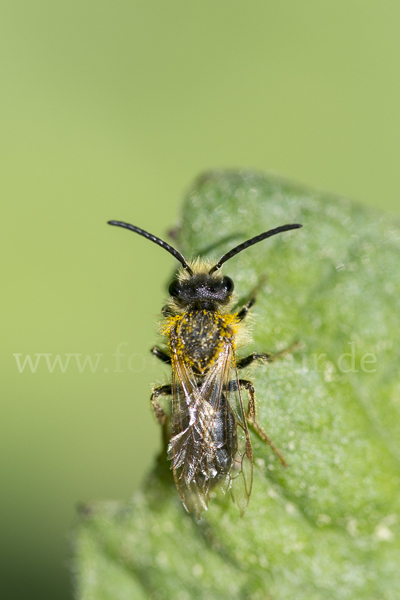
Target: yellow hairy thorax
<point>197,337</point>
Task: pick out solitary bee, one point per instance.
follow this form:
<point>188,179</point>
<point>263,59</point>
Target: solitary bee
<point>208,444</point>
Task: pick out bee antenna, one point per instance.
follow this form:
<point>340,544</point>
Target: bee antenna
<point>248,243</point>
<point>156,240</point>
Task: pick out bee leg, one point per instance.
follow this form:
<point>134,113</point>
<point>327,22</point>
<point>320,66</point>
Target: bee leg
<point>245,309</point>
<point>264,356</point>
<point>163,356</point>
<point>166,311</point>
<point>252,421</point>
<point>247,360</point>
<point>163,390</point>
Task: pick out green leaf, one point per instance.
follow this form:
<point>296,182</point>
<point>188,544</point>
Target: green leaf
<point>327,527</point>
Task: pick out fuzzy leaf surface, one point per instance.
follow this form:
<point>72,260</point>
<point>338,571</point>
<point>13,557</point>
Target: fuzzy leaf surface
<point>328,526</point>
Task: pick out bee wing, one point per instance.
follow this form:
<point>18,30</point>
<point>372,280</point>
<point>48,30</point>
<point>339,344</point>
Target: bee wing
<point>200,413</point>
<point>241,474</point>
<point>193,449</point>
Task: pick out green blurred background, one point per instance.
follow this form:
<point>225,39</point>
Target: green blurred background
<point>108,111</point>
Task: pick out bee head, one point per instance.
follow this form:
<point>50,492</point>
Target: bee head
<point>201,287</point>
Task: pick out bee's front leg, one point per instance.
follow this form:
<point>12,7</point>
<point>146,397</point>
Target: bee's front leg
<point>253,296</point>
<point>163,390</point>
<point>245,309</point>
<point>252,421</point>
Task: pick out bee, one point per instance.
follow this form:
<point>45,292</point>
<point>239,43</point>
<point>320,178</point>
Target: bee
<point>207,431</point>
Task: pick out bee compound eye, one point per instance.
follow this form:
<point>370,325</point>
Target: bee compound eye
<point>228,284</point>
<point>174,288</point>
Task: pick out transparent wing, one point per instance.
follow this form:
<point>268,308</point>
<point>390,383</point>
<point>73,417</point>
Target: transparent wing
<point>241,475</point>
<point>194,449</point>
<point>209,444</point>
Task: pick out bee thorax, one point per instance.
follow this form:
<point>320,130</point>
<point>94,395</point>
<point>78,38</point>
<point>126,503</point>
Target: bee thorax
<point>201,334</point>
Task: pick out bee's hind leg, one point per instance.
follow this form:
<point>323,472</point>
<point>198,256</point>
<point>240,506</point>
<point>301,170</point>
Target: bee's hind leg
<point>163,390</point>
<point>252,421</point>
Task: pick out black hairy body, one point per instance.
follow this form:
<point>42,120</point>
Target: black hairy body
<point>207,435</point>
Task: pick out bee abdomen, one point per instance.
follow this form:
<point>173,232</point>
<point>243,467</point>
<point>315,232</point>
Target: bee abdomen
<point>219,456</point>
<point>225,436</point>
